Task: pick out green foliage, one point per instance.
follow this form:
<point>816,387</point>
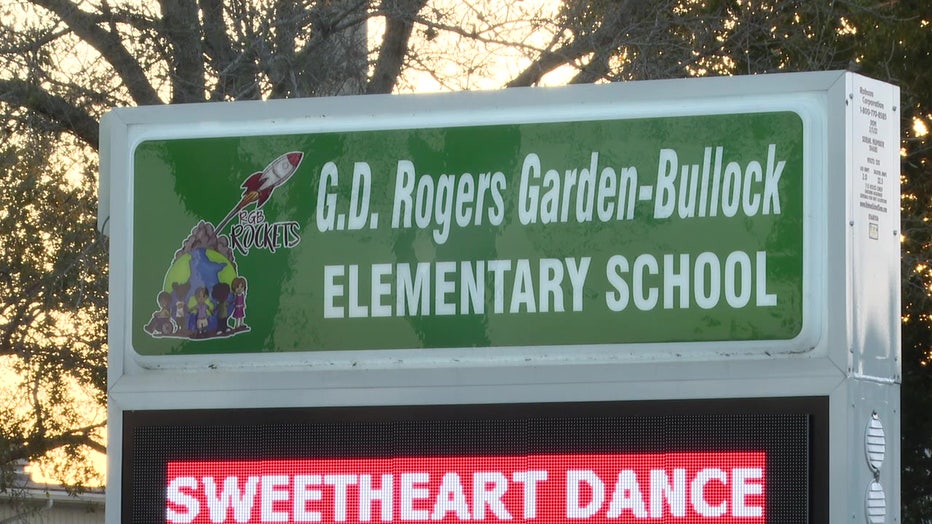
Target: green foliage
<point>53,312</point>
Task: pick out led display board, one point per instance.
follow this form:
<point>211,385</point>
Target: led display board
<point>746,461</point>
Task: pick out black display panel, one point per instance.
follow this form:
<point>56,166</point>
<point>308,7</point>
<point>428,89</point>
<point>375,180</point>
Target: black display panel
<point>741,460</point>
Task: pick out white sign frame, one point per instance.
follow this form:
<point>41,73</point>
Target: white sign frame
<point>849,354</point>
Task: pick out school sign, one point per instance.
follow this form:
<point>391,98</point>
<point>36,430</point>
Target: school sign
<point>597,232</point>
<point>664,301</point>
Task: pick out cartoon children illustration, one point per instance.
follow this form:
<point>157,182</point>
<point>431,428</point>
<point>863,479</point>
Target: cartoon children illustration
<point>179,296</point>
<point>221,294</point>
<point>202,309</point>
<point>239,303</point>
<point>161,323</point>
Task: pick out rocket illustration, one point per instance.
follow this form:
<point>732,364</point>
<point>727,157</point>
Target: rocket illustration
<point>259,186</point>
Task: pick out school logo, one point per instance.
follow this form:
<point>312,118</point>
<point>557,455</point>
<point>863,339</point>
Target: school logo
<point>204,295</point>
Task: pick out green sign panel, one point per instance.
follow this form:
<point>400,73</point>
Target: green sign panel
<point>675,229</point>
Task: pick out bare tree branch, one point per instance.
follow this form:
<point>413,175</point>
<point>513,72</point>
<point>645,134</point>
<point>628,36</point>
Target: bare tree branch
<point>78,121</point>
<point>33,45</point>
<point>237,72</point>
<point>551,60</point>
<point>34,448</point>
<point>399,22</point>
<point>595,70</point>
<point>480,35</point>
<point>108,45</point>
<point>181,27</point>
<point>606,37</point>
<point>333,62</point>
<point>217,43</point>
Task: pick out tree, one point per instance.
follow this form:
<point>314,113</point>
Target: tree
<point>64,62</point>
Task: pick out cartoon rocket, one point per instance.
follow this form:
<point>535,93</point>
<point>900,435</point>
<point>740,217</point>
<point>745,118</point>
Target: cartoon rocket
<point>259,186</point>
